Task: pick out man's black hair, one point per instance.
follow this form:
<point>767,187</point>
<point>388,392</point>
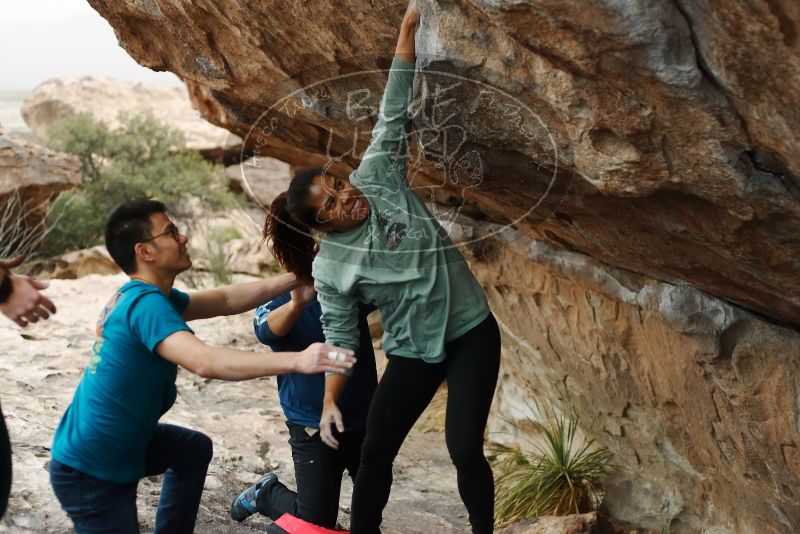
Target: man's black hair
<point>297,196</point>
<point>128,225</point>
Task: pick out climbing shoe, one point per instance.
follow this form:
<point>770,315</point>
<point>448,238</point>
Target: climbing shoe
<point>244,505</point>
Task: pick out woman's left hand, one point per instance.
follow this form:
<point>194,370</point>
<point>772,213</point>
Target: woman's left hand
<point>330,416</point>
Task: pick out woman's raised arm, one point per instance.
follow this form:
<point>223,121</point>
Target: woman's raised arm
<point>387,146</point>
<point>405,49</point>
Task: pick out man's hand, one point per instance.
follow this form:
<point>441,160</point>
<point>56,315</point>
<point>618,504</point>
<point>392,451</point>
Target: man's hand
<point>26,305</point>
<point>324,358</point>
<point>304,294</point>
<point>330,416</point>
<point>7,265</point>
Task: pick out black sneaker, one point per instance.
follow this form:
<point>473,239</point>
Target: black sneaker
<point>244,505</point>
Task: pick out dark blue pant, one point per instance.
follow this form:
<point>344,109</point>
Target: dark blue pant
<point>5,465</point>
<point>96,506</point>
<point>318,472</point>
<point>406,388</point>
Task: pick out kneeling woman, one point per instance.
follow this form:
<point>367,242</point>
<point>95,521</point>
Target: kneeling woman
<point>293,320</point>
<point>382,246</point>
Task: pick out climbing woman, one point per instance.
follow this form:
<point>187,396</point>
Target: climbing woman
<point>382,246</point>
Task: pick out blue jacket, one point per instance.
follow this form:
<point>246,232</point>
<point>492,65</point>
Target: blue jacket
<point>301,395</point>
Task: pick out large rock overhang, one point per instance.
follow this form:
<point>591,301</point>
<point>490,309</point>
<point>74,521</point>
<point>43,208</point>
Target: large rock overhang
<point>681,162</point>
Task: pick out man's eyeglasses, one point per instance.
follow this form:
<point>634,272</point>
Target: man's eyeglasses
<point>171,230</point>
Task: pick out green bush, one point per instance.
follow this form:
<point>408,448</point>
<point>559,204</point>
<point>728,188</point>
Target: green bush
<point>559,478</point>
<point>226,234</point>
<point>214,258</point>
<point>217,255</point>
<point>141,158</point>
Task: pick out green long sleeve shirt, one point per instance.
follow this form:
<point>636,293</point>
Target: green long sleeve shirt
<point>399,259</point>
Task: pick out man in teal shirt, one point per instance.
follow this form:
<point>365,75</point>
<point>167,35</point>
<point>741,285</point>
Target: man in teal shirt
<point>110,437</point>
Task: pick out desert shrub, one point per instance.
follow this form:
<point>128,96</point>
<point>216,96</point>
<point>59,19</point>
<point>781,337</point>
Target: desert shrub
<point>217,255</point>
<point>559,477</point>
<point>22,224</point>
<point>141,158</point>
<point>212,259</point>
<point>226,234</point>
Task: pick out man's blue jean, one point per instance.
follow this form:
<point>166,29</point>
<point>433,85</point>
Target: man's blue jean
<point>96,506</point>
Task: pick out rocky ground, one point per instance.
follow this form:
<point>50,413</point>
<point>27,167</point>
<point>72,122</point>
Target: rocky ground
<point>41,366</point>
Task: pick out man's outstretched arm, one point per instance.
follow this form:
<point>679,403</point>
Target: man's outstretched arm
<point>237,298</point>
<point>184,349</point>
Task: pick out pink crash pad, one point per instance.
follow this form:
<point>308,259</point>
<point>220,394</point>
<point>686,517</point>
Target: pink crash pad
<point>293,525</point>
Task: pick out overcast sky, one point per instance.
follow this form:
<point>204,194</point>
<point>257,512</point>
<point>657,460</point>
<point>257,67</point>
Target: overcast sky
<point>41,39</point>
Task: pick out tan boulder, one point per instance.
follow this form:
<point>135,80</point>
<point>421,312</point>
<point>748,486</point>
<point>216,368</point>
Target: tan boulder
<point>31,177</point>
<point>250,256</point>
<point>106,99</point>
<point>569,524</point>
<point>261,178</point>
<point>694,396</point>
<point>75,264</point>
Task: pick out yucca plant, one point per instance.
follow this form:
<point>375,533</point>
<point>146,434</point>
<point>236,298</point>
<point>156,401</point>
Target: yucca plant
<point>560,477</point>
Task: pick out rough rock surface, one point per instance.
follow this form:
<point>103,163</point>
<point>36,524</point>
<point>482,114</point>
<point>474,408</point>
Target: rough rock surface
<point>575,524</point>
<point>695,397</point>
<point>261,178</point>
<point>75,264</point>
<point>651,152</point>
<point>31,177</point>
<point>106,98</point>
<point>27,167</point>
<point>674,123</point>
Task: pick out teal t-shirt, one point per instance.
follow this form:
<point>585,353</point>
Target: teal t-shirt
<point>126,387</point>
<point>399,259</point>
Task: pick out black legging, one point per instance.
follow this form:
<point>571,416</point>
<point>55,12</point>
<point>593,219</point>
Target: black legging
<point>407,387</point>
